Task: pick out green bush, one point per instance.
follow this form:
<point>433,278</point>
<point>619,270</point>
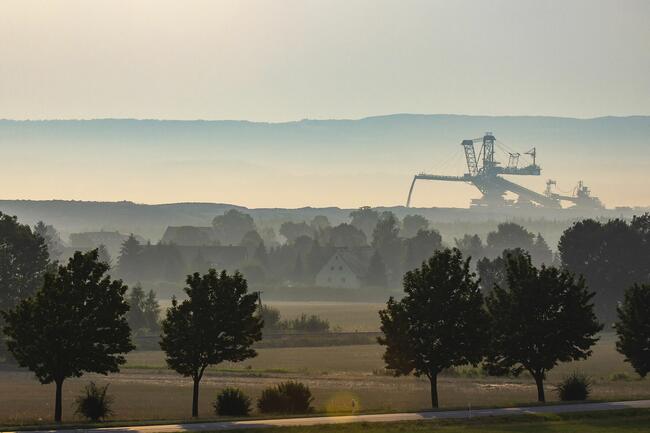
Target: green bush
<point>232,402</point>
<point>305,323</point>
<point>574,387</point>
<point>95,403</point>
<point>619,376</point>
<point>287,397</point>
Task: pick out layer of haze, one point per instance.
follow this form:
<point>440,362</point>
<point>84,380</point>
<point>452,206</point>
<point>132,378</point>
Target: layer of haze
<point>276,61</point>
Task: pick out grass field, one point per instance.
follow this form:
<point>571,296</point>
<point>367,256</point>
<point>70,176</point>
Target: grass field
<point>337,376</point>
<point>347,316</point>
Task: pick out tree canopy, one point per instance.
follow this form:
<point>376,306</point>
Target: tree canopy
<point>23,261</point>
<point>292,230</point>
<point>633,328</point>
<point>231,227</point>
<point>541,317</point>
<point>412,224</point>
<point>420,247</point>
<point>494,271</point>
<point>439,323</point>
<point>320,222</point>
<point>611,255</point>
<point>365,219</point>
<point>376,273</point>
<point>144,311</point>
<point>345,235</point>
<point>52,239</point>
<point>386,241</point>
<point>471,246</point>
<point>75,323</point>
<point>508,236</point>
<point>216,323</point>
<point>130,260</point>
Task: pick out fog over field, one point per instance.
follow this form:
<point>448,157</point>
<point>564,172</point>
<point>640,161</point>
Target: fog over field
<point>318,163</point>
<point>254,213</point>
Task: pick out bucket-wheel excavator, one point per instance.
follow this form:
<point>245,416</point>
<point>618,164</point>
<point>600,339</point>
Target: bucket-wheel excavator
<point>484,172</point>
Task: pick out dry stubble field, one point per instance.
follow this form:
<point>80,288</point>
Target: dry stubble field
<point>145,389</point>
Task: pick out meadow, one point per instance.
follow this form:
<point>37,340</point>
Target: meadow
<point>343,379</point>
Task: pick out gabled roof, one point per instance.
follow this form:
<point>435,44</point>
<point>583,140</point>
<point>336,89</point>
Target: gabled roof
<point>356,259</point>
<point>353,262</point>
<point>189,236</point>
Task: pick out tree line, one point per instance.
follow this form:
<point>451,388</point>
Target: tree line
<point>394,247</point>
<point>62,321</point>
<point>529,320</point>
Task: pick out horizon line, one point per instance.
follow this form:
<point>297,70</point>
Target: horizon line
<point>322,119</point>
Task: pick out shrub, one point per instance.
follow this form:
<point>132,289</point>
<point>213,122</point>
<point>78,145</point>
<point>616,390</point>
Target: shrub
<point>95,403</point>
<point>305,323</point>
<point>621,376</point>
<point>232,402</point>
<point>270,315</point>
<point>287,397</point>
<point>574,387</point>
<point>271,401</point>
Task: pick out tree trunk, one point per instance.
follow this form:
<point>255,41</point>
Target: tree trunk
<point>434,390</point>
<point>539,380</point>
<point>195,398</point>
<point>57,400</point>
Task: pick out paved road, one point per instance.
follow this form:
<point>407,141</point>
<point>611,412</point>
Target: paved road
<point>391,417</point>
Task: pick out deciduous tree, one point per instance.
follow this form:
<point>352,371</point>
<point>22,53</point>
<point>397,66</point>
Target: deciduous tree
<point>23,261</point>
<point>376,274</point>
<point>344,235</point>
<point>612,256</point>
<point>216,323</point>
<point>540,318</point>
<point>231,227</point>
<point>76,323</point>
<point>386,241</point>
<point>292,230</point>
<point>440,322</point>
<point>633,328</point>
<point>420,247</point>
<point>471,246</point>
<point>364,219</point>
<point>412,224</point>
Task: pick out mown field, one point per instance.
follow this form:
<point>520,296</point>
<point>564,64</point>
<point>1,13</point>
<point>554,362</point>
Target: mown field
<point>338,376</point>
<point>343,316</point>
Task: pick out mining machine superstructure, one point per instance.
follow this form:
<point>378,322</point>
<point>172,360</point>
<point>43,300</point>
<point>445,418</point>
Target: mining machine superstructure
<point>485,173</point>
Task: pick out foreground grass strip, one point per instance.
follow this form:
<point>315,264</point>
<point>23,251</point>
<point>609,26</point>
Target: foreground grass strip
<point>282,423</point>
<point>626,420</point>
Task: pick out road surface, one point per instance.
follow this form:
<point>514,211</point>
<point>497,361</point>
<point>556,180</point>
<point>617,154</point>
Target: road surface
<point>389,417</point>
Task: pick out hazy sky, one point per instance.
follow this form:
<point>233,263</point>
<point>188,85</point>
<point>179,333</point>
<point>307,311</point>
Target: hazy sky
<point>280,60</point>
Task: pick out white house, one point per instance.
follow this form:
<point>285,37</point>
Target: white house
<point>342,270</point>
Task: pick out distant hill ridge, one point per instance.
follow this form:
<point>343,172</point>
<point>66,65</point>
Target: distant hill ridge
<point>611,154</point>
<point>151,220</point>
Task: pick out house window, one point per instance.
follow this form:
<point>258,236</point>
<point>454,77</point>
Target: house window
<point>343,280</point>
<point>332,268</point>
<point>340,268</point>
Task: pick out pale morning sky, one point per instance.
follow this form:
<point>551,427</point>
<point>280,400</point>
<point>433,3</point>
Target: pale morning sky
<point>275,60</point>
<point>280,60</point>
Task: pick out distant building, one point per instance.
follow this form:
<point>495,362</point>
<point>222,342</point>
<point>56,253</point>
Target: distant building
<point>345,269</point>
<point>190,236</point>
